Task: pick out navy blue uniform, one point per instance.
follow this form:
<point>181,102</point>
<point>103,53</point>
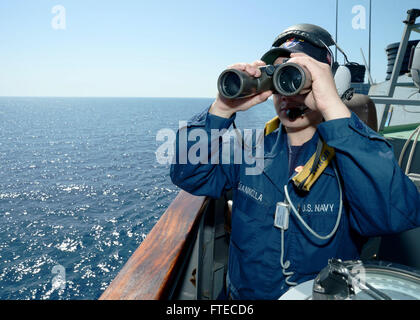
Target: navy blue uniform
<point>378,199</point>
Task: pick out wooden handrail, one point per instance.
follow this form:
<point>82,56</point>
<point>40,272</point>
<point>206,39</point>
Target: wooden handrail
<point>150,272</point>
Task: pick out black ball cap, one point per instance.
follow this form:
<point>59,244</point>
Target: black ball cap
<point>296,44</point>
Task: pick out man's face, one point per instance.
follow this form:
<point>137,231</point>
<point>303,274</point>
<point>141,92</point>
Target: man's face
<point>283,103</point>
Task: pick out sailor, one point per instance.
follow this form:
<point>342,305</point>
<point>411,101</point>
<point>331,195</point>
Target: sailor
<point>293,216</point>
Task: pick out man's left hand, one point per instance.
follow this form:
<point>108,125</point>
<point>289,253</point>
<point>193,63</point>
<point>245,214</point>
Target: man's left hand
<point>323,96</point>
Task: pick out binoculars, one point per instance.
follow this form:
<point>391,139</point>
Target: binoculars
<point>287,79</point>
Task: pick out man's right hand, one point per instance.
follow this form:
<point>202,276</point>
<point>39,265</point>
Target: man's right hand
<point>225,108</point>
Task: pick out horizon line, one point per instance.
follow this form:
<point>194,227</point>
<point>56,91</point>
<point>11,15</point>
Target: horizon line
<point>111,97</point>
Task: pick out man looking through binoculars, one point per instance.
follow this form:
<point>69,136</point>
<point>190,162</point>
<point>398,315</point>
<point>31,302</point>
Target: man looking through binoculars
<point>322,102</point>
<point>328,180</point>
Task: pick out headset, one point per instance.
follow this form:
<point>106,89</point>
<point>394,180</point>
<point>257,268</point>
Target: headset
<point>341,74</point>
<point>322,39</point>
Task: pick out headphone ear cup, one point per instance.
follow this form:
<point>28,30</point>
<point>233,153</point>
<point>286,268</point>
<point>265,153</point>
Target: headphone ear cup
<point>342,79</point>
<point>334,67</point>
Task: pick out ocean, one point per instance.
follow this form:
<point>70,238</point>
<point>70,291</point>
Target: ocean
<point>80,187</point>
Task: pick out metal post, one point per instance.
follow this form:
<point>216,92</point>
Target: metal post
<point>367,68</point>
<point>336,27</point>
<point>370,25</point>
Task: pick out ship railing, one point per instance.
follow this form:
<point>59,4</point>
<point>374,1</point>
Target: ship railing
<point>152,272</point>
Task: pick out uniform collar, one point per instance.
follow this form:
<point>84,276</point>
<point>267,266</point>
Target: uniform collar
<point>281,144</point>
<point>276,158</point>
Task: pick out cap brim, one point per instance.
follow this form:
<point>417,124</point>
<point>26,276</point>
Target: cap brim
<point>270,56</point>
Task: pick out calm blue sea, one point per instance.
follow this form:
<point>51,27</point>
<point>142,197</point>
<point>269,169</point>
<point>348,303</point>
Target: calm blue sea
<point>80,187</point>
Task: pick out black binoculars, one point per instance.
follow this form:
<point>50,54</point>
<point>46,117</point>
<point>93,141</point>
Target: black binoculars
<point>287,79</point>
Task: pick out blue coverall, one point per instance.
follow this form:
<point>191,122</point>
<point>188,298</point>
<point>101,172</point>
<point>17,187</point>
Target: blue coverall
<point>378,199</point>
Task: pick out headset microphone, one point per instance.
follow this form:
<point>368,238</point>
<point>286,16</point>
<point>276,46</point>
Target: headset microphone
<point>295,113</point>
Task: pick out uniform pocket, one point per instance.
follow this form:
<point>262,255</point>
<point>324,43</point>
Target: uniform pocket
<point>253,206</point>
<point>247,218</point>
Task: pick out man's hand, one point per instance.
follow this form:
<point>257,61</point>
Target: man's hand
<point>323,96</point>
<point>225,108</point>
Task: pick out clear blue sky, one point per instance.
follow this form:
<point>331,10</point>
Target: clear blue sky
<point>166,48</point>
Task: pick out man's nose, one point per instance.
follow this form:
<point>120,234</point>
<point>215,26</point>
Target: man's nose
<point>286,99</point>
